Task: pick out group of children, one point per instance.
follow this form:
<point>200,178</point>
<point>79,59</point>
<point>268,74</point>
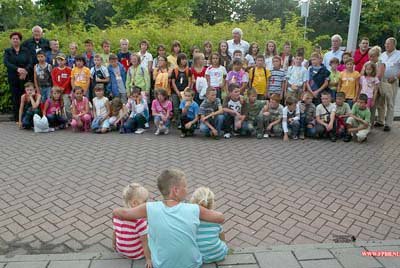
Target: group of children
<point>221,95</point>
<point>169,233</point>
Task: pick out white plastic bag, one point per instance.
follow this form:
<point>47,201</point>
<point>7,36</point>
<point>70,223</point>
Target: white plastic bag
<point>40,124</point>
<point>201,87</point>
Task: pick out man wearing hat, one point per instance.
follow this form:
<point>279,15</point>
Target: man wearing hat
<point>61,77</point>
<point>237,43</point>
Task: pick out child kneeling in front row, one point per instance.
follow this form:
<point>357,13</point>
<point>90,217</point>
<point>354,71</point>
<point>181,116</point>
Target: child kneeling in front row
<point>161,109</point>
<point>29,106</point>
<point>172,224</point>
<point>211,114</point>
<point>291,119</point>
<point>101,111</point>
<point>210,236</point>
<point>130,236</point>
<point>359,122</point>
<point>270,119</point>
<point>139,112</point>
<point>189,113</point>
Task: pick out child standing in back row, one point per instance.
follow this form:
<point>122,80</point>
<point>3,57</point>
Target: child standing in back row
<point>130,236</point>
<point>277,81</point>
<point>259,76</point>
<point>349,82</point>
<point>42,76</point>
<point>210,236</point>
<point>369,83</point>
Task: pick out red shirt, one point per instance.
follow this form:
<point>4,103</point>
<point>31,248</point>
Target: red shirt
<point>127,236</point>
<point>360,59</point>
<point>62,79</point>
<point>197,74</point>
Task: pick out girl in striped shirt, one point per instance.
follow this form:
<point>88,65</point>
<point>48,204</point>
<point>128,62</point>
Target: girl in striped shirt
<point>210,236</point>
<point>130,236</point>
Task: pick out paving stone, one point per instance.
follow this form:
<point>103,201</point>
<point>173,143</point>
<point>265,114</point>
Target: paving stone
<point>238,266</point>
<point>42,264</point>
<point>2,265</point>
<point>277,260</point>
<point>238,259</point>
<point>312,254</point>
<point>69,264</point>
<point>351,258</point>
<point>121,263</point>
<point>321,264</point>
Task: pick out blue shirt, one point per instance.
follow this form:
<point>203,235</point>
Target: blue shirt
<point>212,248</point>
<point>192,110</point>
<point>172,235</point>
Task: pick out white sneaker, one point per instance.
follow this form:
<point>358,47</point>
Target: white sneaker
<point>166,131</point>
<point>146,125</point>
<point>139,131</point>
<point>52,129</point>
<point>227,135</point>
<point>266,136</point>
<point>162,129</point>
<point>157,132</point>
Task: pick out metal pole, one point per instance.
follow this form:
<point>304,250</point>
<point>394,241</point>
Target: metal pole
<point>354,25</point>
<point>305,28</point>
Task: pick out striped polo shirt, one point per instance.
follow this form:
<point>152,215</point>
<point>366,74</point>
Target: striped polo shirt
<point>276,80</point>
<point>128,235</point>
<point>212,248</point>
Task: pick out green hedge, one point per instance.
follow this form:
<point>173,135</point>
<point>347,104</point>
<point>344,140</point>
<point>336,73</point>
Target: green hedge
<point>156,33</point>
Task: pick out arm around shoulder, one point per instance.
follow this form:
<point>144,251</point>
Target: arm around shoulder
<point>211,215</point>
<point>131,213</point>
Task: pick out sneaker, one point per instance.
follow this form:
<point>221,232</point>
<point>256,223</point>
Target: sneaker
<point>377,124</point>
<point>347,138</point>
<point>139,131</point>
<point>162,129</point>
<point>121,130</point>
<point>166,131</point>
<point>295,138</point>
<point>179,126</point>
<point>266,136</point>
<point>227,135</point>
<point>146,125</point>
<point>52,129</point>
<point>333,138</point>
<point>386,128</point>
<point>183,135</point>
<point>157,132</point>
<point>301,136</point>
<point>259,136</point>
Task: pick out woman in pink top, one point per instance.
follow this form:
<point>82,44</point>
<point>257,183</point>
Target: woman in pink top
<point>54,110</point>
<point>81,117</point>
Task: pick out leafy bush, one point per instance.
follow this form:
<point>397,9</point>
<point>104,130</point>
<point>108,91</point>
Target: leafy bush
<point>156,33</point>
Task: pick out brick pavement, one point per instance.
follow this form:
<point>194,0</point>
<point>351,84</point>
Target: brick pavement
<point>57,190</point>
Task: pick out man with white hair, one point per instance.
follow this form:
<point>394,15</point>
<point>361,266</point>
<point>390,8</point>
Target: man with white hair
<point>335,52</point>
<point>36,43</point>
<point>237,43</point>
<point>390,82</point>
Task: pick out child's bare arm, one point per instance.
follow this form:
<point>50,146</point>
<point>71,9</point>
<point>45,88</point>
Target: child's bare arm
<point>146,249</point>
<point>114,240</point>
<point>131,213</point>
<point>222,236</point>
<point>211,215</point>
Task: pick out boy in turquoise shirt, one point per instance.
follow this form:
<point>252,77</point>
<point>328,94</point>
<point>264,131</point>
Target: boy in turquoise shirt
<point>172,224</point>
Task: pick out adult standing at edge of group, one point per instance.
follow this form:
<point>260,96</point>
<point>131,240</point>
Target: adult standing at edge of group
<point>361,54</point>
<point>335,51</point>
<point>36,43</point>
<point>237,43</point>
<point>18,61</point>
<point>391,59</point>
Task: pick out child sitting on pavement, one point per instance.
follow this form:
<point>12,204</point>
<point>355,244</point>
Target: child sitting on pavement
<point>190,113</point>
<point>210,236</point>
<point>253,109</point>
<point>269,121</point>
<point>307,116</point>
<point>172,224</point>
<point>291,119</point>
<point>325,115</point>
<point>343,111</point>
<point>211,114</point>
<point>359,122</point>
<point>234,113</point>
<point>130,236</point>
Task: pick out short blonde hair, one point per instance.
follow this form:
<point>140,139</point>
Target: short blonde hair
<point>375,51</point>
<point>134,191</point>
<point>204,197</point>
<point>169,178</point>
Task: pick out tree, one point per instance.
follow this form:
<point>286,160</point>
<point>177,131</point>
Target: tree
<point>99,13</point>
<point>14,14</point>
<point>212,12</point>
<point>66,12</point>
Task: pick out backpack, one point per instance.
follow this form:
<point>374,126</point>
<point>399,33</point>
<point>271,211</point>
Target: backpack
<point>176,71</point>
<point>252,77</point>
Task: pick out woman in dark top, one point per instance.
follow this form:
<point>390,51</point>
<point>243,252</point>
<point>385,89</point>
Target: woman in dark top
<point>18,61</point>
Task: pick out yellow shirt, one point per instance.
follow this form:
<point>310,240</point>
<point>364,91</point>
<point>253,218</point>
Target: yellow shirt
<point>81,76</point>
<point>172,61</point>
<point>348,83</point>
<point>259,81</point>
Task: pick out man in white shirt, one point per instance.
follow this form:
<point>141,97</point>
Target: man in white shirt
<point>335,52</point>
<point>237,43</point>
<point>391,59</point>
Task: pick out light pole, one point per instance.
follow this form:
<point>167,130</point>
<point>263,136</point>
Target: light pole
<point>305,9</point>
<point>354,25</point>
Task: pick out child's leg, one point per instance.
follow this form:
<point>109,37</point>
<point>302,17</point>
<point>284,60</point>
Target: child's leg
<point>244,130</point>
<point>350,102</point>
<point>27,120</point>
<point>157,120</point>
<point>51,118</point>
<point>140,121</point>
<point>295,126</point>
<point>175,104</point>
<point>184,121</point>
<point>311,131</point>
<point>362,134</point>
<point>319,130</point>
<point>204,129</point>
<point>219,121</point>
<point>105,126</point>
<point>67,105</point>
<point>129,124</point>
<point>229,120</point>
<point>74,124</point>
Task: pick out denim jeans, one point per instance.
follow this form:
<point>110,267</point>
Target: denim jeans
<point>184,121</point>
<point>293,128</point>
<point>133,123</point>
<point>229,125</point>
<point>309,132</point>
<point>217,122</point>
<point>45,92</point>
<point>157,120</point>
<point>56,120</point>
